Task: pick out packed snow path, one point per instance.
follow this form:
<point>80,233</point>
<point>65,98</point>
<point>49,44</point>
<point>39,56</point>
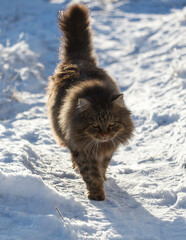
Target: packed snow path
<point>140,43</point>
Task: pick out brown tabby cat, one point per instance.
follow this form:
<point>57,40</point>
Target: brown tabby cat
<point>86,109</point>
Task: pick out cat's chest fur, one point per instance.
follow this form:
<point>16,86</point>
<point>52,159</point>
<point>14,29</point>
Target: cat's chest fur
<point>101,151</point>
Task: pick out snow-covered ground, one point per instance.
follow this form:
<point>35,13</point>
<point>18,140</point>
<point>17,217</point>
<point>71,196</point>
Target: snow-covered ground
<point>142,43</point>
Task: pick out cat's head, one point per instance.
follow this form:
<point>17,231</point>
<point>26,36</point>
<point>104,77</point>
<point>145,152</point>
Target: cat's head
<point>103,119</point>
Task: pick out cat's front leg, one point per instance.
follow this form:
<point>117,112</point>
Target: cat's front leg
<point>92,176</point>
<point>94,182</point>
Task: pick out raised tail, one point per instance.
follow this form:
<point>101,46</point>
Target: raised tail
<point>77,35</point>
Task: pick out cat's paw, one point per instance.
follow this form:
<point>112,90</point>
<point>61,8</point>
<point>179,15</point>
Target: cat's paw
<point>98,196</point>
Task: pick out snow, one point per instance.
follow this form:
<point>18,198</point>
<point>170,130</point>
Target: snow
<point>140,43</point>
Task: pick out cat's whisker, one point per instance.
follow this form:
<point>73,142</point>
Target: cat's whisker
<point>93,152</point>
<point>97,145</point>
<point>88,144</point>
<point>120,140</point>
<point>90,147</point>
<point>113,143</point>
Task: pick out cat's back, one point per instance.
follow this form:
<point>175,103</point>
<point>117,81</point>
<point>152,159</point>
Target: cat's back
<point>67,76</point>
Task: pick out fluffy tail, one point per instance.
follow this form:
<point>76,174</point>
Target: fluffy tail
<point>76,42</point>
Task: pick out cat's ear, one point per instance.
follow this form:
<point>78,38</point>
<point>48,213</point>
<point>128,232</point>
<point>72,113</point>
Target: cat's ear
<point>118,100</point>
<point>83,104</point>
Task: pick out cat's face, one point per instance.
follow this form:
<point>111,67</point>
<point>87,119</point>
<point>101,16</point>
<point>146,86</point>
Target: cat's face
<point>104,123</point>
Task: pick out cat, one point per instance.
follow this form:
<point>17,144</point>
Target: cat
<point>85,106</point>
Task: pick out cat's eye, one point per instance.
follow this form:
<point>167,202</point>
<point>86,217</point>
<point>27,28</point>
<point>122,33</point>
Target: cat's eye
<point>112,124</point>
<point>95,125</point>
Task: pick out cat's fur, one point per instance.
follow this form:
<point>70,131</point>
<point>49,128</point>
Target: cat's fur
<point>85,107</point>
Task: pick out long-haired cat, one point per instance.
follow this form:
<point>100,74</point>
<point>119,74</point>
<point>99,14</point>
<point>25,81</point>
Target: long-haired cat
<point>85,107</point>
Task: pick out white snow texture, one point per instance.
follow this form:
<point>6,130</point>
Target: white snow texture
<point>142,44</point>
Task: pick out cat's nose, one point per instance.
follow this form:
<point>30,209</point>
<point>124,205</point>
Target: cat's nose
<point>105,135</point>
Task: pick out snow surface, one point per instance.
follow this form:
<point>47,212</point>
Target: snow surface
<point>142,43</point>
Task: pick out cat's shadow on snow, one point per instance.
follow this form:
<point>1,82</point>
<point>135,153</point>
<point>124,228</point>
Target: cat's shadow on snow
<point>127,216</point>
